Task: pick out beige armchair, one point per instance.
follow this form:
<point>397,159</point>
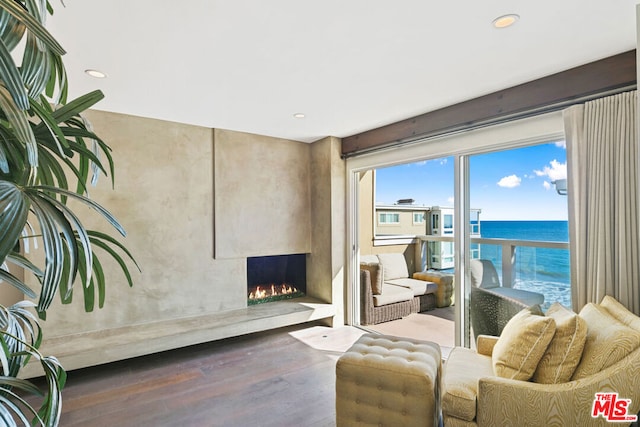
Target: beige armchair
<point>473,395</point>
<point>565,404</point>
<point>508,402</point>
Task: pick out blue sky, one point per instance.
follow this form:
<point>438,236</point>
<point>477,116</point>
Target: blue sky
<point>506,185</point>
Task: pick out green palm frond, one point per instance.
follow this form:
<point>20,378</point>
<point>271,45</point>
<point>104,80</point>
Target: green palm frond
<point>49,154</point>
<point>20,337</point>
<point>57,234</point>
<point>14,209</point>
<point>57,87</point>
<point>66,241</point>
<point>52,126</point>
<point>109,245</point>
<point>12,280</point>
<point>12,403</point>
<point>11,30</point>
<point>105,242</point>
<point>24,263</point>
<point>12,79</point>
<point>19,125</point>
<point>36,64</point>
<point>87,201</point>
<point>36,67</point>
<point>71,109</point>
<point>13,152</point>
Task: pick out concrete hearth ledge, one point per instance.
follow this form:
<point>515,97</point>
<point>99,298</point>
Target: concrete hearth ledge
<point>98,347</point>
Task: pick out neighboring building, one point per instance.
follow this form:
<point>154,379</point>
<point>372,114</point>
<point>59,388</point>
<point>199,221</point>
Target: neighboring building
<point>440,254</point>
<point>404,218</point>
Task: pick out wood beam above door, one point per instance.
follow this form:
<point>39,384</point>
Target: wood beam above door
<point>609,75</point>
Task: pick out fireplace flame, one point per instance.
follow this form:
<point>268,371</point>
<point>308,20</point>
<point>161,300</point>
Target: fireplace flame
<point>271,290</point>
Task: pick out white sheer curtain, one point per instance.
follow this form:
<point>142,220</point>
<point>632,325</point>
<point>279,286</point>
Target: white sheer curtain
<point>602,166</point>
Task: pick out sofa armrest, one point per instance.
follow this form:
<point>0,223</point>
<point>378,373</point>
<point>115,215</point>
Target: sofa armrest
<point>503,401</point>
<point>366,297</point>
<point>490,312</point>
<point>485,344</point>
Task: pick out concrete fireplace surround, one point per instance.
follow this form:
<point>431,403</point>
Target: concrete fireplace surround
<point>196,202</point>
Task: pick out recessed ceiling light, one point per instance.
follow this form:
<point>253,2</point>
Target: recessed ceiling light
<point>505,21</point>
<point>96,73</point>
<point>299,115</point>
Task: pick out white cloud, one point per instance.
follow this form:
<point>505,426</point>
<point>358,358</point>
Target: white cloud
<point>546,185</point>
<point>510,181</point>
<point>561,144</point>
<point>450,200</point>
<point>556,171</point>
<point>442,162</point>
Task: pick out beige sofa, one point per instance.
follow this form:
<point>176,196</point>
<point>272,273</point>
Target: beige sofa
<point>388,292</point>
<point>569,359</point>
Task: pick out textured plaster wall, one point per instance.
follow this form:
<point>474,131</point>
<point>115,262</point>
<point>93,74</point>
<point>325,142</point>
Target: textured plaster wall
<point>262,198</point>
<point>163,197</point>
<point>328,213</point>
<point>165,183</point>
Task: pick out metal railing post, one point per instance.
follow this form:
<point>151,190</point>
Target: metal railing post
<point>508,265</point>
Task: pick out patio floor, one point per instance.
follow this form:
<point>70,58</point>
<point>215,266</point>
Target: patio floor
<point>435,325</point>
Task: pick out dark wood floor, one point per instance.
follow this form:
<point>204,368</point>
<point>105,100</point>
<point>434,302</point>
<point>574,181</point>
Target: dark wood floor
<point>264,379</point>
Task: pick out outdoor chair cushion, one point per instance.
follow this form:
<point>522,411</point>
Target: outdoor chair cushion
<point>394,266</point>
<point>483,274</point>
<point>526,297</point>
<point>369,259</point>
<point>392,294</point>
<point>418,287</point>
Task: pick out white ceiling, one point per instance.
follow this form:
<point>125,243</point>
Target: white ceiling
<point>349,65</point>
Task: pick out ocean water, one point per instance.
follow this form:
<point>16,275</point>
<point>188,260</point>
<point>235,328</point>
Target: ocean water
<point>540,270</point>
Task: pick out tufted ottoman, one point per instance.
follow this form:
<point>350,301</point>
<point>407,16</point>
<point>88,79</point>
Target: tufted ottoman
<point>388,381</point>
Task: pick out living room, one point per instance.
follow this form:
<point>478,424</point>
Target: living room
<point>198,200</point>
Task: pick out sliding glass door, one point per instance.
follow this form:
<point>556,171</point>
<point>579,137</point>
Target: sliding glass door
<point>485,196</point>
<point>521,252</point>
<point>408,209</point>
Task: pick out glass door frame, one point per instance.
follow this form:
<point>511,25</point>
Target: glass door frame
<point>518,133</point>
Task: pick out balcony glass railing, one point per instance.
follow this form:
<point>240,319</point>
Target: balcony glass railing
<point>538,266</point>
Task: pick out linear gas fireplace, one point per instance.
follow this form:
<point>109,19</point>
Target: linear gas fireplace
<point>274,278</point>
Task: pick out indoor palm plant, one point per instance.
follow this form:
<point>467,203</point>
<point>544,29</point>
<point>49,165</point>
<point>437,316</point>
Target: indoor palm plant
<point>48,156</point>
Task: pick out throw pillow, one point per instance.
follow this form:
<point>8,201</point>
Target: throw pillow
<point>565,350</point>
<point>375,270</point>
<point>620,312</point>
<point>522,344</point>
<point>608,341</point>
